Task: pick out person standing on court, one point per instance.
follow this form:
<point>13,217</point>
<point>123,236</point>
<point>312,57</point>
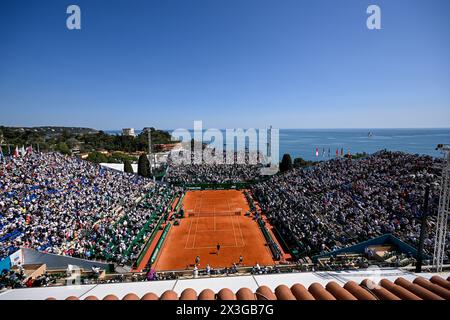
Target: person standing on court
<point>218,248</point>
<point>197,260</point>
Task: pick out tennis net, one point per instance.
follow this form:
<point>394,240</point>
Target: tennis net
<point>213,213</point>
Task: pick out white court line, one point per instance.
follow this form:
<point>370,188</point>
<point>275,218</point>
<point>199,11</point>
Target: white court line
<point>199,204</point>
<point>189,234</point>
<point>190,226</point>
<point>195,234</point>
<point>221,230</point>
<point>232,223</point>
<point>214,247</point>
<point>196,219</point>
<point>234,231</point>
<point>242,236</point>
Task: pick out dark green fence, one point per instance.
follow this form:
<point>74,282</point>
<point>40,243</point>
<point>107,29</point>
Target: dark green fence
<point>273,246</point>
<point>180,201</point>
<point>149,242</point>
<point>162,218</point>
<point>160,244</point>
<point>221,186</point>
<point>250,201</point>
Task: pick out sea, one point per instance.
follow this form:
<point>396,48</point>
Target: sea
<point>322,144</point>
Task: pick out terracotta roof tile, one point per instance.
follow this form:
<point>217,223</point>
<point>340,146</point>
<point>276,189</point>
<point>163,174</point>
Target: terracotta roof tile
<point>424,283</point>
<point>378,291</point>
<point>207,294</point>
<point>400,292</point>
<point>150,296</point>
<point>284,293</point>
<point>188,294</point>
<point>245,294</point>
<point>169,295</point>
<point>421,292</point>
<point>358,291</point>
<point>338,292</point>
<point>72,298</point>
<point>264,293</point>
<point>130,296</point>
<point>440,282</point>
<point>319,292</point>
<point>300,292</point>
<point>226,294</point>
<point>401,289</point>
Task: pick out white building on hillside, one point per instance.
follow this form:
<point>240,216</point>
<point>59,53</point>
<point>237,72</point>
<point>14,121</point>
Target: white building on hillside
<point>128,132</point>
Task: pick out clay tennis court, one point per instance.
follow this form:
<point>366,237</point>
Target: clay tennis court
<point>214,217</point>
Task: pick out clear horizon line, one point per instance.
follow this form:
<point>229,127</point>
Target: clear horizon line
<point>280,128</point>
<point>347,128</point>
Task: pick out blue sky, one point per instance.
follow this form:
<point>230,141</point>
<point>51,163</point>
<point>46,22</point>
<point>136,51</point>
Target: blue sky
<point>230,63</point>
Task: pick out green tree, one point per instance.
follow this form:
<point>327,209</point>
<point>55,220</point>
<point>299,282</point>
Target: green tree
<point>63,148</point>
<point>143,166</point>
<point>120,157</point>
<point>359,155</point>
<point>72,142</point>
<point>65,135</point>
<point>97,157</point>
<point>127,166</point>
<point>302,163</point>
<point>286,163</point>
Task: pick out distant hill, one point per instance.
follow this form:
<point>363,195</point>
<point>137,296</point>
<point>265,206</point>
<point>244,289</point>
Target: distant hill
<point>67,139</point>
<point>49,130</point>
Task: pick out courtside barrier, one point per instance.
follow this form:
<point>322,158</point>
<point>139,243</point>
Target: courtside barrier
<point>148,243</point>
<point>250,201</point>
<point>159,244</point>
<point>158,214</point>
<point>153,234</point>
<point>180,201</point>
<point>285,246</point>
<point>220,186</point>
<point>274,249</point>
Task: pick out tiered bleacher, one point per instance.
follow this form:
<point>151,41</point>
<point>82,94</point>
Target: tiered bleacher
<point>64,205</point>
<point>244,167</point>
<point>343,202</point>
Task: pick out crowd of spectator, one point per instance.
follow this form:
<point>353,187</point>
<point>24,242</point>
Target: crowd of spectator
<point>212,173</point>
<point>244,167</point>
<point>343,201</point>
<point>10,279</point>
<point>64,205</point>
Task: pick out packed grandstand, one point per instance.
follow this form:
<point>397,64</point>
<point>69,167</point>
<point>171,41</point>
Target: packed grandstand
<point>67,206</point>
<point>342,202</point>
<point>64,205</point>
<point>242,166</point>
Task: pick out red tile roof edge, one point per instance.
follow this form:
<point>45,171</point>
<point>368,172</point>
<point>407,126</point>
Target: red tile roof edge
<point>437,288</point>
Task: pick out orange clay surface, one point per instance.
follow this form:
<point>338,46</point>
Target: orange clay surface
<point>203,228</point>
